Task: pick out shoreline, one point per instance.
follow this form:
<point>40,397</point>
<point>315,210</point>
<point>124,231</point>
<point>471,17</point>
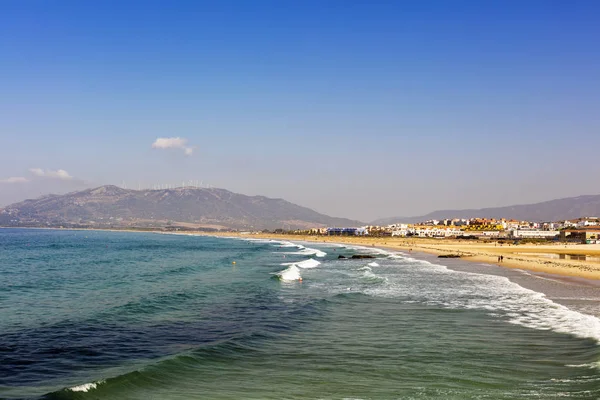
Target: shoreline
<point>472,252</point>
<point>524,257</point>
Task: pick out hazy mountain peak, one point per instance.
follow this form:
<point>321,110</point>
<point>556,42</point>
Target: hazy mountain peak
<point>110,205</point>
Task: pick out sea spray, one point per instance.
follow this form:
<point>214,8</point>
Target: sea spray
<point>306,264</point>
<point>307,251</point>
<point>86,387</point>
<point>497,295</point>
<point>291,273</point>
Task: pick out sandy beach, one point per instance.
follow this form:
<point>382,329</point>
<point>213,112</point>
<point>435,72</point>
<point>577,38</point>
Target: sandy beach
<point>551,259</point>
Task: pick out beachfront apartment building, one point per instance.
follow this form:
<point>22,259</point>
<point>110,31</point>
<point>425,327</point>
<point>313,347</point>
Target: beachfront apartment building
<point>398,226</point>
<point>399,229</point>
<point>551,226</point>
<point>402,232</point>
<point>486,234</point>
<point>533,234</point>
<point>511,224</point>
<point>439,232</point>
<point>344,231</point>
<point>484,227</point>
<point>427,231</point>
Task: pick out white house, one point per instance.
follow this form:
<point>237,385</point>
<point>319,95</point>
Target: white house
<point>589,221</point>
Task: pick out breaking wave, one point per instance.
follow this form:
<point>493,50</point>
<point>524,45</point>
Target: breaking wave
<point>310,263</point>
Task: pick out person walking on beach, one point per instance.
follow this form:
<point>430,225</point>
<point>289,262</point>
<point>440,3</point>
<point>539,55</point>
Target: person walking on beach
<point>498,258</point>
<point>501,258</point>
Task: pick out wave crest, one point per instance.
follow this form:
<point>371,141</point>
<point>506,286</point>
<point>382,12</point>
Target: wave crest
<point>86,387</point>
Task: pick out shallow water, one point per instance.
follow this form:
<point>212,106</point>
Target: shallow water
<point>138,316</point>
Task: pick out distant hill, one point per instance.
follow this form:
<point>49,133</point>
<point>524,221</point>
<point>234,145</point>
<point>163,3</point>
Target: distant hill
<point>553,210</point>
<point>186,207</point>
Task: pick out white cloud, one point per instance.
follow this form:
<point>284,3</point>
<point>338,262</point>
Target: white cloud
<point>173,143</point>
<point>58,174</point>
<point>14,179</point>
<point>169,143</point>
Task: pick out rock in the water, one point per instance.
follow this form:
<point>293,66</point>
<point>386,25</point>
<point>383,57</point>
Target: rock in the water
<point>341,256</point>
<point>361,256</point>
<point>449,256</point>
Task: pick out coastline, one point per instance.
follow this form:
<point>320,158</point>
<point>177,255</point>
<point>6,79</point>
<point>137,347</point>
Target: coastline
<point>524,257</point>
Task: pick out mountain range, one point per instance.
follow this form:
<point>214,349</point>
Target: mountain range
<point>553,210</point>
<point>215,209</point>
<point>193,208</point>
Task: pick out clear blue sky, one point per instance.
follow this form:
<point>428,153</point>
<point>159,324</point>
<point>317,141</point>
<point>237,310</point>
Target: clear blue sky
<point>360,109</point>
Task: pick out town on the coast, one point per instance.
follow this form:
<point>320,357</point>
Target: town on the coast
<point>582,230</point>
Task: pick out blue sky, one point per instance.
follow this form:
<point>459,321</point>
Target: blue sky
<point>358,109</point>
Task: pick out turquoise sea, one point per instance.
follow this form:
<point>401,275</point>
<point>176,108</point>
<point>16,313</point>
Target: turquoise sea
<point>109,315</point>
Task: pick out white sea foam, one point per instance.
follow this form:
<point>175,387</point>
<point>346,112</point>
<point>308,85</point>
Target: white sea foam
<point>373,264</point>
<point>370,250</point>
<point>289,244</point>
<point>248,239</point>
<point>302,250</point>
<point>307,251</point>
<point>595,365</point>
<point>369,276</point>
<point>398,255</point>
<point>437,285</point>
<point>310,263</point>
<point>280,243</point>
<point>291,273</point>
<point>85,387</point>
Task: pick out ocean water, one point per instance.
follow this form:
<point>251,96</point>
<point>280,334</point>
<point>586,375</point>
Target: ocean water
<point>108,315</point>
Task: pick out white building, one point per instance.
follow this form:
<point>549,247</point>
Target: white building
<point>398,226</point>
<point>590,221</point>
<point>437,232</point>
<point>485,233</point>
<point>534,234</point>
<point>570,224</point>
<point>402,232</point>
